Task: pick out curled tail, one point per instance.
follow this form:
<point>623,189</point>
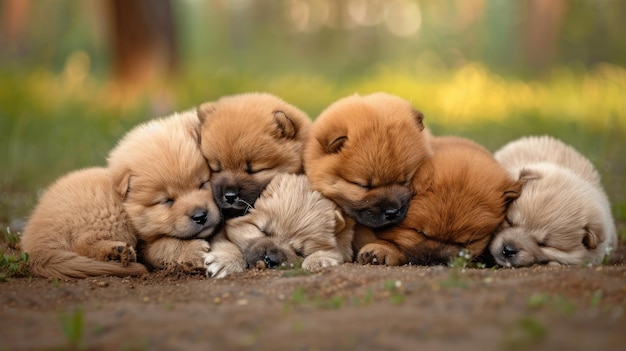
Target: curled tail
<point>68,264</point>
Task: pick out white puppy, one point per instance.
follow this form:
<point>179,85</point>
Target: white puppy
<point>562,216</point>
<point>290,220</point>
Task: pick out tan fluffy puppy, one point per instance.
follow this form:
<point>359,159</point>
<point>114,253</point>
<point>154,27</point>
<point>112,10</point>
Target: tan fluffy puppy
<point>79,229</point>
<point>362,154</point>
<point>159,171</point>
<point>248,139</point>
<point>563,215</point>
<point>461,198</point>
<point>288,221</point>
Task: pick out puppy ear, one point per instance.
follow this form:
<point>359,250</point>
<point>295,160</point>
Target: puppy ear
<point>423,179</point>
<point>513,192</point>
<point>121,183</point>
<point>335,145</point>
<point>419,119</point>
<point>285,126</point>
<point>195,135</point>
<point>592,237</point>
<point>528,174</point>
<point>204,110</point>
<point>340,222</point>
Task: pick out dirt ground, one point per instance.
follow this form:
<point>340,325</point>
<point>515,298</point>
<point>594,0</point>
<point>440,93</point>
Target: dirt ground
<point>342,308</point>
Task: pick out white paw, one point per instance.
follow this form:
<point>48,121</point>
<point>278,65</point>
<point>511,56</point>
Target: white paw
<point>316,263</point>
<point>219,265</point>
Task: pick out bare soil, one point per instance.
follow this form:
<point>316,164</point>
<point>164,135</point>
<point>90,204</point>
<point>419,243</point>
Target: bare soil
<point>342,308</point>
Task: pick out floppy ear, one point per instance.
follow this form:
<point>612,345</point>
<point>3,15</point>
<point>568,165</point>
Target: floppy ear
<point>335,145</point>
<point>332,142</point>
<point>423,179</point>
<point>419,119</point>
<point>285,127</point>
<point>204,110</point>
<point>195,134</point>
<point>340,222</point>
<point>121,183</point>
<point>513,192</point>
<point>528,174</point>
<point>592,237</point>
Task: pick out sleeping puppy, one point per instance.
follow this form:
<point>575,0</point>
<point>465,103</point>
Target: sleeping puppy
<point>79,229</point>
<point>562,216</point>
<point>291,221</point>
<point>159,172</point>
<point>248,139</point>
<point>461,198</point>
<point>362,154</point>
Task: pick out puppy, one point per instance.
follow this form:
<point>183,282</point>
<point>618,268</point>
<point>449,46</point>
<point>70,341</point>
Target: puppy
<point>159,172</point>
<point>288,221</point>
<point>562,216</point>
<point>461,198</point>
<point>79,229</point>
<point>248,139</point>
<point>362,154</point>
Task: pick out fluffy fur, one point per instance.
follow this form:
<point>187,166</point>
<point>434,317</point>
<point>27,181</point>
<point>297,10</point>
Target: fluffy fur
<point>461,198</point>
<point>79,229</point>
<point>159,171</point>
<point>248,139</point>
<point>363,153</point>
<point>563,215</point>
<point>288,221</point>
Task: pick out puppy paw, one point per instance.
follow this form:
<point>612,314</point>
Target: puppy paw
<point>222,264</point>
<point>380,254</point>
<point>192,256</point>
<point>122,252</point>
<point>127,255</point>
<point>315,264</point>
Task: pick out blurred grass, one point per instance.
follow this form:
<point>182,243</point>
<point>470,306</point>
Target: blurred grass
<point>53,123</point>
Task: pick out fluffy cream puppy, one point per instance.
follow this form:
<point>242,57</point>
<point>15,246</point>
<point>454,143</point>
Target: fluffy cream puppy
<point>79,229</point>
<point>160,173</point>
<point>562,216</point>
<point>288,221</point>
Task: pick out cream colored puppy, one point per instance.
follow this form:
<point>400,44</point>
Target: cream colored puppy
<point>161,175</point>
<point>288,221</point>
<point>79,229</point>
<point>562,216</point>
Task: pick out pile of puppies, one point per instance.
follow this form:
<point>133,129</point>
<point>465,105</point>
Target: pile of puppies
<point>250,181</point>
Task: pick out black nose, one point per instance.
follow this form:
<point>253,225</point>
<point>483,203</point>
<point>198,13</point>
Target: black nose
<point>230,196</point>
<point>199,217</point>
<point>271,261</point>
<point>509,250</point>
<point>391,213</point>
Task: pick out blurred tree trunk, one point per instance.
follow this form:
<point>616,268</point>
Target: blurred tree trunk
<point>13,27</point>
<point>542,25</point>
<point>143,38</point>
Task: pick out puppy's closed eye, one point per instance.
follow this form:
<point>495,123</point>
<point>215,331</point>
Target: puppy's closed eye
<point>363,185</point>
<point>167,201</point>
<point>262,230</point>
<point>250,169</point>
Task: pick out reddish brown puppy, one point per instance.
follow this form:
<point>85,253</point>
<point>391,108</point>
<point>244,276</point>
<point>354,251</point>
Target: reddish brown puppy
<point>462,195</point>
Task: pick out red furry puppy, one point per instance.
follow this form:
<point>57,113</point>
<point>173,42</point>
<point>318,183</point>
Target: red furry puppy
<point>462,195</point>
<point>363,153</point>
<point>247,140</point>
